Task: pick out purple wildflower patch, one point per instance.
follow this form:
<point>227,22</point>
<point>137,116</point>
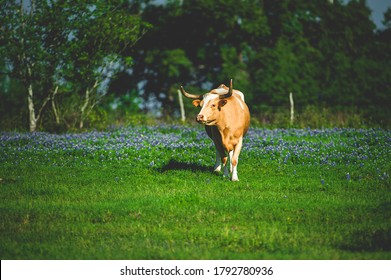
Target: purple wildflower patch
<point>149,145</point>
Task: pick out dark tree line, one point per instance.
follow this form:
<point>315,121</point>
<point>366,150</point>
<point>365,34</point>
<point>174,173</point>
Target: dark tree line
<point>327,53</point>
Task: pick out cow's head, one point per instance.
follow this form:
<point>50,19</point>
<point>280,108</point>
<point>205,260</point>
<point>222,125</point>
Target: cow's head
<point>211,103</point>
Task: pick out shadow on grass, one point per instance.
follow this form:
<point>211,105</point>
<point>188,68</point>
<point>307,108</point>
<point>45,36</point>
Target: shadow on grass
<point>177,165</point>
<point>361,240</point>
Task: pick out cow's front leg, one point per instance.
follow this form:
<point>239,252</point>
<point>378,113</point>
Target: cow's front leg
<point>230,160</point>
<point>235,174</point>
<point>234,159</point>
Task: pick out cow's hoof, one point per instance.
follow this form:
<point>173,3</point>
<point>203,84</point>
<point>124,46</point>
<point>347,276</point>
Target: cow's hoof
<point>234,179</point>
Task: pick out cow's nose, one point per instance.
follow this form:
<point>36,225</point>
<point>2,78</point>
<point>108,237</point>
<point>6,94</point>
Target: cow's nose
<point>200,118</point>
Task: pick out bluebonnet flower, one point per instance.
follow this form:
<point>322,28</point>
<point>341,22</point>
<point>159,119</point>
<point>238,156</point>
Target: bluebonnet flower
<point>364,149</point>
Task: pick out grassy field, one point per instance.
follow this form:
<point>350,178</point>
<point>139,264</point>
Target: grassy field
<point>148,192</point>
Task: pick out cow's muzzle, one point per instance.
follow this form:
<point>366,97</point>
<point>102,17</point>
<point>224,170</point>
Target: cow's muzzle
<point>200,118</point>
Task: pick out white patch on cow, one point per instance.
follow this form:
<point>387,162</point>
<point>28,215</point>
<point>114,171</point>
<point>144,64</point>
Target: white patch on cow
<point>241,94</point>
<point>207,97</point>
<point>235,174</point>
<point>241,99</point>
<point>220,90</point>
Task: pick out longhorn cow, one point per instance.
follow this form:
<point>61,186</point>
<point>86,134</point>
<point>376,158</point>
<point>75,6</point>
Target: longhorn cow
<point>226,118</point>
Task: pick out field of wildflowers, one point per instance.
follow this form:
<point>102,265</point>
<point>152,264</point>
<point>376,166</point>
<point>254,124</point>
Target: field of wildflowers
<point>148,192</point>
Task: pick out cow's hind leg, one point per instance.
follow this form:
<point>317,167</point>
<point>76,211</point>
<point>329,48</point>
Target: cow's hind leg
<point>223,160</point>
<point>217,167</point>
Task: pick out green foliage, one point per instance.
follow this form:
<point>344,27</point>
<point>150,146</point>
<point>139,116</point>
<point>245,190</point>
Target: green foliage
<point>312,116</point>
<point>289,67</point>
<point>75,56</point>
<point>328,55</point>
<point>175,62</point>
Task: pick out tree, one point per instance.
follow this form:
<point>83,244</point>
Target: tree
<point>83,47</point>
<point>197,43</point>
<point>345,35</point>
<point>288,67</point>
<point>100,35</point>
<point>286,61</point>
<point>24,47</point>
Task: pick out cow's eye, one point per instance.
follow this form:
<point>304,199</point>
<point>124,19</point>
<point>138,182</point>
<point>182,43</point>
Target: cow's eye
<point>213,105</point>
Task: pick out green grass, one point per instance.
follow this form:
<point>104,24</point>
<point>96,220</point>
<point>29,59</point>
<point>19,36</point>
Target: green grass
<point>160,202</point>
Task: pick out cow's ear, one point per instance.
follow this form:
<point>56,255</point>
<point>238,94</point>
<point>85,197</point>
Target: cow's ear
<point>196,102</point>
<point>222,102</point>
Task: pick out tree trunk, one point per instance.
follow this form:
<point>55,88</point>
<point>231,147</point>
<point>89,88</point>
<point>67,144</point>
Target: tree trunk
<point>54,107</point>
<point>34,118</point>
<point>292,107</point>
<point>83,108</point>
<point>30,100</point>
<point>87,101</point>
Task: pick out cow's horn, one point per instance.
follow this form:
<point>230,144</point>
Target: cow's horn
<point>229,93</point>
<point>192,96</point>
